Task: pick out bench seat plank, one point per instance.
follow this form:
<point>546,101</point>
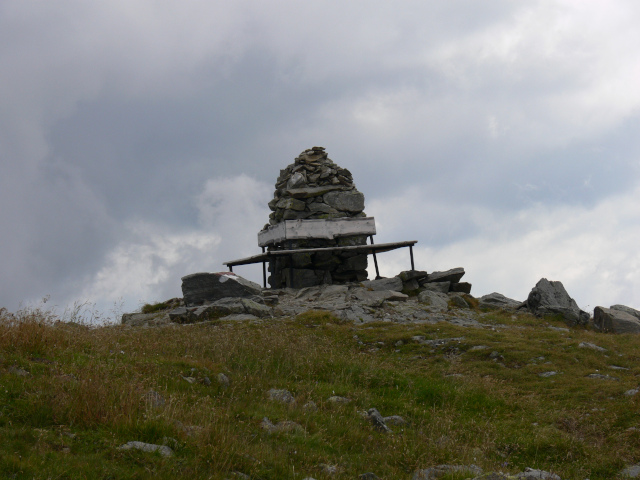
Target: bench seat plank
<point>368,249</point>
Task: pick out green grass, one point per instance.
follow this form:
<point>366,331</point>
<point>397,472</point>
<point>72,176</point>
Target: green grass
<point>85,396</point>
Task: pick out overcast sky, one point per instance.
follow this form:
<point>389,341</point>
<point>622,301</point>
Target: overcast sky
<point>140,140</point>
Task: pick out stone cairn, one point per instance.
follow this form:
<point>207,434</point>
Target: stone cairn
<point>314,187</point>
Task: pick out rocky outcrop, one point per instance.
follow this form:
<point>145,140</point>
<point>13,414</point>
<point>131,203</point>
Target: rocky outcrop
<point>615,320</point>
<point>551,298</point>
<point>202,288</point>
<point>230,308</point>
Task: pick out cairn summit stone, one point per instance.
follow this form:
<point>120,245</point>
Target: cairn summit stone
<point>551,298</point>
<point>201,288</point>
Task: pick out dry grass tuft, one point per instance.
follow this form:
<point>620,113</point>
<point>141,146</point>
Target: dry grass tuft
<point>70,395</point>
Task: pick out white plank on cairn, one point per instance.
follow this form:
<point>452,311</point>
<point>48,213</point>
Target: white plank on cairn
<point>316,228</point>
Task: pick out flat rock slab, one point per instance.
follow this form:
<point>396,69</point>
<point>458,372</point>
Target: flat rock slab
<point>454,275</point>
<point>201,288</point>
<point>497,300</point>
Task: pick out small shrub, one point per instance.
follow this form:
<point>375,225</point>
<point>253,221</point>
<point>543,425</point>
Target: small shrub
<point>155,307</point>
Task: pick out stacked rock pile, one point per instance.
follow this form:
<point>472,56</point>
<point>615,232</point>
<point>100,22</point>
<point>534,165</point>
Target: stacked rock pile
<point>314,187</point>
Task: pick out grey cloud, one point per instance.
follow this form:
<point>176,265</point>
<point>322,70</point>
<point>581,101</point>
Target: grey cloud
<point>121,112</point>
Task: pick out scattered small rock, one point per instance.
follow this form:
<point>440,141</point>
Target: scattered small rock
<point>547,374</point>
<point>282,396</point>
<point>241,475</point>
<point>441,470</point>
<point>189,430</point>
<point>368,476</point>
<point>223,380</point>
<point>338,400</point>
<point>18,371</point>
<point>310,406</point>
<point>329,469</point>
<point>592,346</point>
<point>378,422</point>
<point>601,376</point>
<point>154,399</point>
<point>533,474</point>
<point>476,348</point>
<point>632,392</point>
<point>632,471</point>
<point>147,447</point>
<point>285,426</point>
<point>395,420</point>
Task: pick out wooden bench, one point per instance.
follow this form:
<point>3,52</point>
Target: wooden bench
<point>286,232</point>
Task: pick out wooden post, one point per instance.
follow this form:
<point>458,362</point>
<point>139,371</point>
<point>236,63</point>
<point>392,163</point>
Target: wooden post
<point>264,271</point>
<point>375,260</point>
<point>411,254</point>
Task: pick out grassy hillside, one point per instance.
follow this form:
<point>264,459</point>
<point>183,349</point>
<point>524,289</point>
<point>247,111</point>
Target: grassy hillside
<point>70,395</point>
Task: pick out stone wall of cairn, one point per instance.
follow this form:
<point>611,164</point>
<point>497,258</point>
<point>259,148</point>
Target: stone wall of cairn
<point>314,187</point>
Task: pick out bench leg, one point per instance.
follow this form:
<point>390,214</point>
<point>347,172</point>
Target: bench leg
<point>411,254</point>
<point>264,272</point>
<point>375,260</point>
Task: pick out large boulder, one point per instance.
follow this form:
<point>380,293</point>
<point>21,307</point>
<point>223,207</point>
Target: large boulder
<point>220,309</point>
<point>615,321</point>
<point>201,288</point>
<point>497,300</point>
<point>629,310</point>
<point>436,301</point>
<point>551,298</point>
